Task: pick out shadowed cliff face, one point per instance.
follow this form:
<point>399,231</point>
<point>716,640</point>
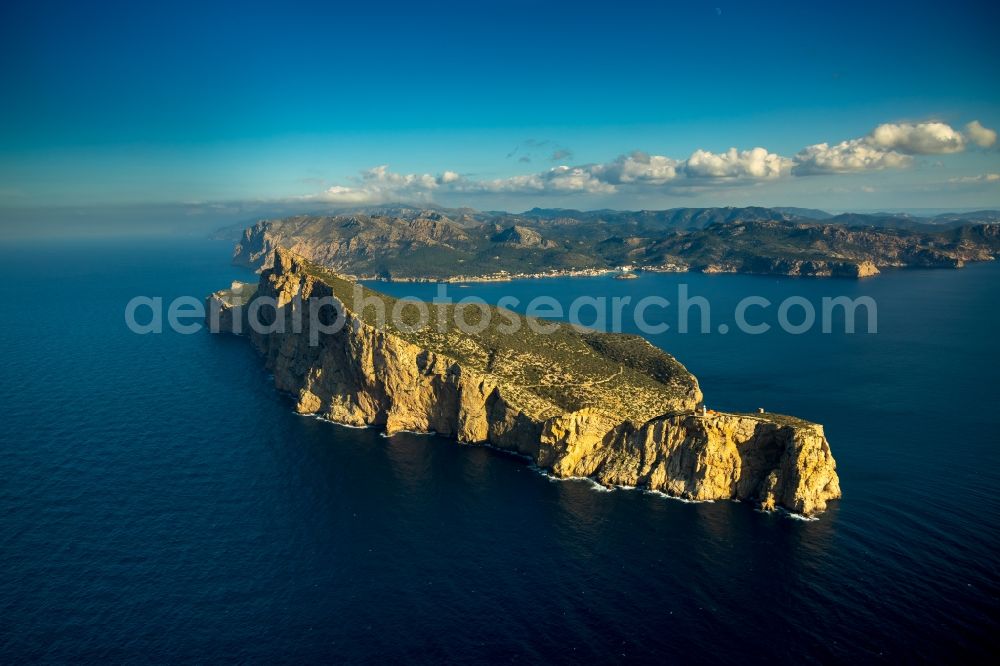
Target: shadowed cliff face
<point>609,407</point>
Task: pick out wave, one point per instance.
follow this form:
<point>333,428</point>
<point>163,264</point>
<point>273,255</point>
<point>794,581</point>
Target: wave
<point>663,495</point>
<point>320,417</point>
<point>798,516</point>
<point>425,433</point>
<point>594,485</point>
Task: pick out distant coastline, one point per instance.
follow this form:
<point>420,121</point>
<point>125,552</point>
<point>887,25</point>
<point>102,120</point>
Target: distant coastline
<point>509,277</point>
<point>440,245</point>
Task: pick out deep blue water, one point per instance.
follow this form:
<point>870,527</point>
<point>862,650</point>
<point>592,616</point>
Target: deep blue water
<point>160,501</point>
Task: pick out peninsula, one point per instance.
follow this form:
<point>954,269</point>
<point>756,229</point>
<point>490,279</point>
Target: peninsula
<point>609,407</point>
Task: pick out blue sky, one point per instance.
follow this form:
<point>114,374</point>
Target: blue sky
<point>501,104</point>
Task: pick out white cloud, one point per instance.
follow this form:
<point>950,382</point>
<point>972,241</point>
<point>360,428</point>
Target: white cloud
<point>561,179</point>
<point>888,146</point>
<point>981,178</point>
<point>639,170</point>
<point>983,137</point>
<point>846,157</point>
<point>637,167</point>
<point>379,185</point>
<point>931,138</point>
<point>348,195</point>
<point>755,163</point>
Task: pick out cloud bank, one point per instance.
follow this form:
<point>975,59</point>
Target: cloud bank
<point>983,137</point>
<point>888,146</point>
<point>981,178</point>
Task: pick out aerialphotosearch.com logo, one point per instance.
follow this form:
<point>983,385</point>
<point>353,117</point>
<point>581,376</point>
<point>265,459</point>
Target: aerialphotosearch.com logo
<point>649,315</point>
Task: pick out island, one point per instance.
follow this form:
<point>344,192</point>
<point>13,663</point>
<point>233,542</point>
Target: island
<point>607,407</point>
<point>463,245</point>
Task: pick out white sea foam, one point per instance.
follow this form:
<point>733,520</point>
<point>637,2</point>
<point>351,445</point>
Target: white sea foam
<point>785,513</point>
<point>426,433</point>
<point>320,417</point>
<point>798,516</point>
<point>345,425</point>
<point>594,485</point>
<point>685,500</point>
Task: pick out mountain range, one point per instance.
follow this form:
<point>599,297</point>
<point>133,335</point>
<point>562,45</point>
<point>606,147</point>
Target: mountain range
<point>402,242</point>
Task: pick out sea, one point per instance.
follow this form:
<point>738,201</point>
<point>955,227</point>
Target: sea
<point>161,502</point>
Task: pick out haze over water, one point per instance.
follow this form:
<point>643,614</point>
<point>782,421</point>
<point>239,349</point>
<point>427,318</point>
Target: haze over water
<point>161,501</point>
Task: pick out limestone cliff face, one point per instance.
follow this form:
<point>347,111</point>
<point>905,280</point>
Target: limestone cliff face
<point>256,247</point>
<point>362,374</point>
<point>695,457</point>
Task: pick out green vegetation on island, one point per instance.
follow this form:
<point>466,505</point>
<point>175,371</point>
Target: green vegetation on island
<point>563,364</point>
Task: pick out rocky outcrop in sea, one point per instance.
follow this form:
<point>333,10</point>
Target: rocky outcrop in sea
<point>608,407</point>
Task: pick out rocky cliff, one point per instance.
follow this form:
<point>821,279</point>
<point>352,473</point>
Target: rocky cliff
<point>579,404</point>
